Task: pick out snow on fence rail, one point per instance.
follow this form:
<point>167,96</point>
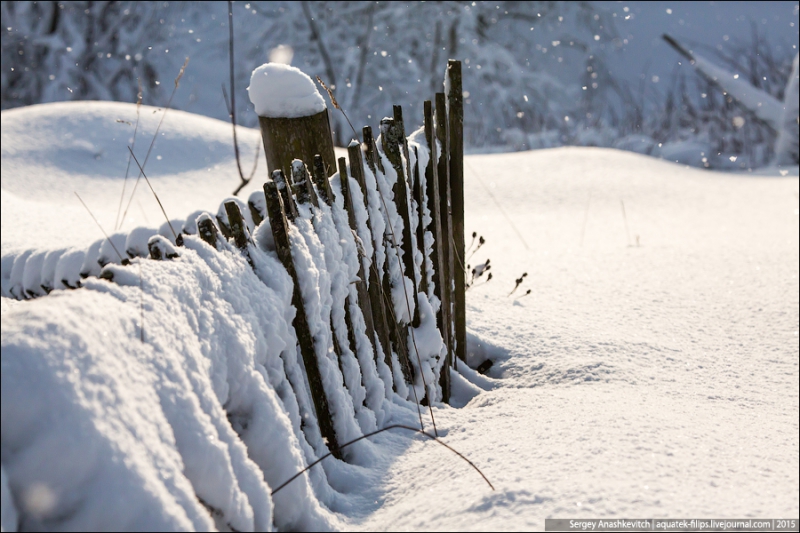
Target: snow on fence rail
<point>374,249</point>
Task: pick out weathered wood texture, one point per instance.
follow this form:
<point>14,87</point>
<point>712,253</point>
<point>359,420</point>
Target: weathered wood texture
<point>374,288</point>
<point>443,171</point>
<point>286,139</point>
<point>418,194</point>
<point>241,237</point>
<point>392,146</point>
<point>397,113</point>
<point>373,159</point>
<point>284,185</point>
<point>256,213</point>
<point>364,302</point>
<point>236,225</point>
<point>302,184</point>
<point>207,230</point>
<point>455,116</point>
<point>279,226</point>
<point>438,276</point>
<point>303,195</point>
<point>321,181</point>
<point>391,338</point>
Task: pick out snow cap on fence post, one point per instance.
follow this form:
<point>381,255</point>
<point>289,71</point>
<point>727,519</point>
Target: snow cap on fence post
<point>293,117</point>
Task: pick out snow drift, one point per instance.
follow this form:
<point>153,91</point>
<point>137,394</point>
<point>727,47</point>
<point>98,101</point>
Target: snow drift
<point>93,416</point>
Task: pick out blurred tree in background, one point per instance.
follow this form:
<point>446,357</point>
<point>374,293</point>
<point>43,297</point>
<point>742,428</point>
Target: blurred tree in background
<point>535,73</point>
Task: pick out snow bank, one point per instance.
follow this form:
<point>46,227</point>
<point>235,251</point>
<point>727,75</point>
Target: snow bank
<point>182,431</point>
<point>279,90</point>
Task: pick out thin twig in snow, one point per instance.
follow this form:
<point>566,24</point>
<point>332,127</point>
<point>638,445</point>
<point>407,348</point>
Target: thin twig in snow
<point>519,281</point>
<point>121,259</point>
<point>481,242</point>
<point>177,240</point>
<point>471,244</point>
<point>133,144</point>
<point>244,181</point>
<point>393,426</point>
<point>155,135</point>
<point>232,106</point>
<point>625,217</point>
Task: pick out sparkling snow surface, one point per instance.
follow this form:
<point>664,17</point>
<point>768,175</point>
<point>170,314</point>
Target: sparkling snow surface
<point>651,372</point>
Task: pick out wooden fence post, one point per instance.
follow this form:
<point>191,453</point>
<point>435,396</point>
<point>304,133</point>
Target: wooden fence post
<point>373,159</point>
<point>321,180</point>
<point>279,226</point>
<point>224,228</point>
<point>364,302</point>
<point>397,113</point>
<point>303,195</point>
<point>236,225</point>
<point>392,144</point>
<point>396,326</point>
<point>207,230</point>
<point>255,210</point>
<point>302,184</point>
<point>238,229</point>
<point>443,171</point>
<point>379,324</point>
<point>455,116</point>
<point>284,188</point>
<point>439,275</point>
<point>419,199</point>
<point>381,295</point>
<point>287,139</point>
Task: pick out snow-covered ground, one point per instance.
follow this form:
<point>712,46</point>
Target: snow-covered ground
<point>657,380</point>
<point>651,372</point>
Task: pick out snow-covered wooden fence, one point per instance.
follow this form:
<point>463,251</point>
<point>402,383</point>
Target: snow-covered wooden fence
<point>415,187</point>
<point>391,214</point>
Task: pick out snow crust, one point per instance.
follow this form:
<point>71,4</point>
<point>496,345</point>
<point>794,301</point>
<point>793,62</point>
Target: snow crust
<point>279,90</point>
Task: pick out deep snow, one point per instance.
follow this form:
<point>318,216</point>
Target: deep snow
<point>651,372</point>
